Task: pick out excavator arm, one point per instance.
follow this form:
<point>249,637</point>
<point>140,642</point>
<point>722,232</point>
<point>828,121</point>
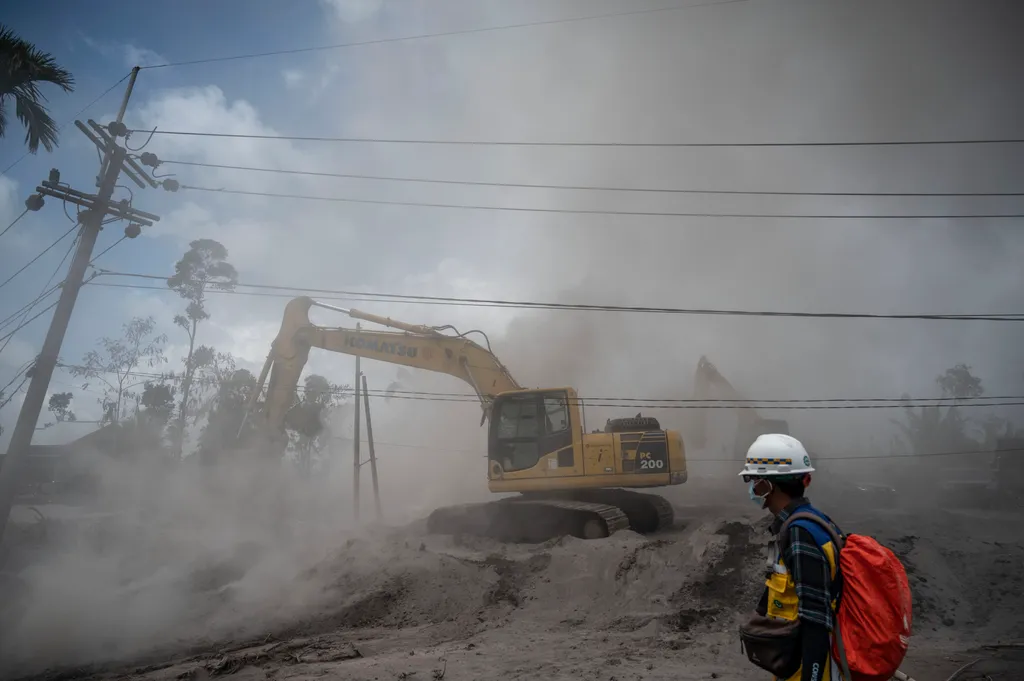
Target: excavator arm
<point>749,422</point>
<point>410,345</point>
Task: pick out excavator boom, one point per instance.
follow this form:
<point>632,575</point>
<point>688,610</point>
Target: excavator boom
<point>421,347</point>
<point>749,423</point>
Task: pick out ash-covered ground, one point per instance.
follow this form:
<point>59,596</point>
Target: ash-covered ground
<point>392,602</point>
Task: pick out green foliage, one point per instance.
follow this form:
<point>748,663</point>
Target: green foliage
<point>23,68</point>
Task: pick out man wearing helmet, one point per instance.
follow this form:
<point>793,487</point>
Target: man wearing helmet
<point>791,632</point>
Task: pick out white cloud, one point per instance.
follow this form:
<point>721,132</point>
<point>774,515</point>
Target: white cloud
<point>129,54</point>
<point>352,11</point>
<point>293,78</point>
<point>10,206</point>
<point>141,56</point>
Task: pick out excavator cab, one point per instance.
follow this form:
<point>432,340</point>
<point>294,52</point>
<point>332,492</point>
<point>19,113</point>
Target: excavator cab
<point>528,426</point>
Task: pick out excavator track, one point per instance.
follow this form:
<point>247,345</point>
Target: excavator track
<point>647,513</point>
<point>529,519</point>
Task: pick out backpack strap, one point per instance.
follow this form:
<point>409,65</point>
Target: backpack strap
<point>784,538</point>
<point>838,542</point>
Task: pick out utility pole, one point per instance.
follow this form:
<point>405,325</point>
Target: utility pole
<point>356,465</point>
<point>96,209</point>
<point>373,453</point>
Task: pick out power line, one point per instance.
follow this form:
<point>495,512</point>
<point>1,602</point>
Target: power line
<point>448,300</point>
<point>41,254</point>
<point>14,392</point>
<point>46,290</point>
<point>442,34</point>
<point>537,143</point>
<point>17,375</point>
<point>742,402</point>
<point>26,323</point>
<point>32,303</point>
<point>584,211</point>
<point>827,403</point>
<point>14,222</point>
<point>912,455</point>
<point>602,188</point>
<point>107,250</point>
<point>80,112</point>
<point>733,462</point>
<point>786,407</point>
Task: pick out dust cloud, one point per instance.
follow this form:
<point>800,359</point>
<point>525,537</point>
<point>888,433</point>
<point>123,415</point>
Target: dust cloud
<point>192,555</point>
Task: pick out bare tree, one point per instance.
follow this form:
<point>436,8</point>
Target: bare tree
<point>117,362</point>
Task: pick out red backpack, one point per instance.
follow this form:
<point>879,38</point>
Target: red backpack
<point>873,621</point>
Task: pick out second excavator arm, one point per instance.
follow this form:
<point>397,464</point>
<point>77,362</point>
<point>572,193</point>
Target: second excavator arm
<point>749,424</point>
<point>705,378</point>
<point>411,345</point>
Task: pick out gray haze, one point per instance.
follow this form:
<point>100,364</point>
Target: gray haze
<point>786,70</point>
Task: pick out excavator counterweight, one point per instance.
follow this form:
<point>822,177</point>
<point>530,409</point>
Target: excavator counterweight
<point>568,481</point>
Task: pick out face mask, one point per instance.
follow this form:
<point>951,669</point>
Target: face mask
<point>754,497</point>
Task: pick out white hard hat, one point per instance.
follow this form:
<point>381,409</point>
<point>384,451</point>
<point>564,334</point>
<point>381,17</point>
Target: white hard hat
<point>775,454</point>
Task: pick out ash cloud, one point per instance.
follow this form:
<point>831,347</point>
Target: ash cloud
<point>740,72</point>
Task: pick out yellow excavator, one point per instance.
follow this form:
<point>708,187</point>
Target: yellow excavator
<point>568,481</point>
<point>749,422</point>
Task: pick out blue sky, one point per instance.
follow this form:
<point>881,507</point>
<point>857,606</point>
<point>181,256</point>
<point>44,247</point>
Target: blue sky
<point>744,71</point>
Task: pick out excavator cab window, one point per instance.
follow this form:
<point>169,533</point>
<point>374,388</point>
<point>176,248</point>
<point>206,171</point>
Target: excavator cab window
<point>527,426</point>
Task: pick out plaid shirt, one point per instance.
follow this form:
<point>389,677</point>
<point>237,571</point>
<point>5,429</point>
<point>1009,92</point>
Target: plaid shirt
<point>810,570</point>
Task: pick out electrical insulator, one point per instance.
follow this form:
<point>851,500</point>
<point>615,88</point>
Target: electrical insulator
<point>171,185</point>
<point>54,176</point>
<point>148,158</point>
<point>117,129</point>
<point>34,202</point>
<point>132,231</point>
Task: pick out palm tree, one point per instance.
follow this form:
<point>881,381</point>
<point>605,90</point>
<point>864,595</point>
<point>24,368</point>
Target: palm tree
<point>22,69</point>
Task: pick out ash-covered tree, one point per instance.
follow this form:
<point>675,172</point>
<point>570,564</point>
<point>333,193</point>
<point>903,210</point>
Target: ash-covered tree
<point>226,412</point>
<point>204,267</point>
<point>153,411</point>
<point>958,384</point>
<point>306,420</point>
<point>115,365</point>
<point>59,405</point>
<point>157,401</point>
<point>927,430</point>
